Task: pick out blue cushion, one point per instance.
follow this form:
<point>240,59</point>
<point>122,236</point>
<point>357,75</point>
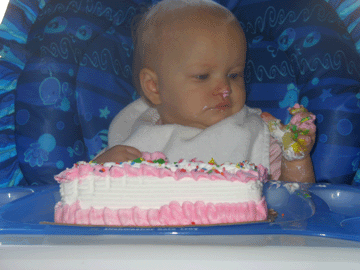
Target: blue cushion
<point>76,80</point>
<point>300,52</point>
<point>14,30</point>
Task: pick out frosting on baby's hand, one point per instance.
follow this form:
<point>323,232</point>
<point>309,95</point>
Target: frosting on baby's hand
<point>290,136</point>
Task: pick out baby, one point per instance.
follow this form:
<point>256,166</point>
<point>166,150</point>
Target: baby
<point>189,61</point>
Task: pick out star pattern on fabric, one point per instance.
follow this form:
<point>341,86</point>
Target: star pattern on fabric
<point>325,94</point>
<point>104,112</point>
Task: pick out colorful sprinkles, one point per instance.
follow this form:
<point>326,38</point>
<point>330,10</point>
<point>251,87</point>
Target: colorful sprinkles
<point>297,132</point>
<point>215,167</point>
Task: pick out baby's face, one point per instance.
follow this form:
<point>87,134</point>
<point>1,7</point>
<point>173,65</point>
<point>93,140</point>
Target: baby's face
<point>200,74</point>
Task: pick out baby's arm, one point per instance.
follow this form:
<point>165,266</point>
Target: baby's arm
<point>300,170</point>
<point>118,153</point>
<point>296,140</point>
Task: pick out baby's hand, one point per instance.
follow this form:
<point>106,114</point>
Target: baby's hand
<point>298,137</point>
<point>305,129</point>
<point>119,153</point>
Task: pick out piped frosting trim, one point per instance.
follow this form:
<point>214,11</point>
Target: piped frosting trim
<point>84,170</point>
<point>158,166</point>
<point>173,214</point>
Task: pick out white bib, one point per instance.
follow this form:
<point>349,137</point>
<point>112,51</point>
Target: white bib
<point>243,136</point>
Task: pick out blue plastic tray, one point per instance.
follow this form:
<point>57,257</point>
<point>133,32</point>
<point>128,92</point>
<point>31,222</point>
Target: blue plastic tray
<point>11,194</point>
<point>313,210</point>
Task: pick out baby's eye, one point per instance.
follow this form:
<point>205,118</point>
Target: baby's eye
<point>202,77</point>
<point>234,75</point>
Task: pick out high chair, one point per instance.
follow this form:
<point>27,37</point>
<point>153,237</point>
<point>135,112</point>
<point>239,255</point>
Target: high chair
<point>65,72</point>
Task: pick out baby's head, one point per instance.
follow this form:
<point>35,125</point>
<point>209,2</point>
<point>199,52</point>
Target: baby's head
<point>189,60</point>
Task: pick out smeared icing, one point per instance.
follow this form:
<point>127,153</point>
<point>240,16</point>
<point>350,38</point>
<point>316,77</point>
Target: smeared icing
<point>293,148</point>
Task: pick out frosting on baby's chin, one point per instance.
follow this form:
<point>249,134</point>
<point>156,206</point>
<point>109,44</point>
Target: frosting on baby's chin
<point>293,148</point>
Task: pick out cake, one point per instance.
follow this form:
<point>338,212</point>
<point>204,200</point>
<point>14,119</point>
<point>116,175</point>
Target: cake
<point>150,191</point>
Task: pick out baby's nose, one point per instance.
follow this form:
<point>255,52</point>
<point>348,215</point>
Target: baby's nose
<point>222,90</point>
<point>225,93</point>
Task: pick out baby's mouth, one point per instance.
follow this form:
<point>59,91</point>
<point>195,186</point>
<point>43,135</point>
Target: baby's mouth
<point>223,105</point>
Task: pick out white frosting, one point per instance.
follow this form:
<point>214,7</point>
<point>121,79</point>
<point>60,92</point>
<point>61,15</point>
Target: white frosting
<point>188,166</point>
<point>292,187</point>
<point>278,134</point>
<point>153,192</point>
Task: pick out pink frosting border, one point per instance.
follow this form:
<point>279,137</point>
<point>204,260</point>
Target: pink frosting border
<point>188,213</point>
<point>83,170</point>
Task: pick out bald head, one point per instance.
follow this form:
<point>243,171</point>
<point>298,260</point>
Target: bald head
<point>164,24</point>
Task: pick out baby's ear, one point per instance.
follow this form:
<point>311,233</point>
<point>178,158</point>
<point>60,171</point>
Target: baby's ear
<point>149,85</point>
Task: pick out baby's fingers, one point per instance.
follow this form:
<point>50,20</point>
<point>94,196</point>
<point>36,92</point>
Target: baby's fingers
<point>118,153</point>
<point>129,153</point>
<point>304,121</point>
<point>133,152</point>
<point>306,142</point>
<point>267,117</point>
<point>308,135</point>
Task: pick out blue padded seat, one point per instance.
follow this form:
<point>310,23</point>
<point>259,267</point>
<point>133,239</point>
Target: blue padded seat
<point>76,80</point>
<point>300,52</point>
<point>66,72</point>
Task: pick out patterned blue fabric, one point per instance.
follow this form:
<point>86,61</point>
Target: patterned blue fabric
<point>300,52</point>
<point>76,80</point>
<point>348,12</point>
<point>14,30</point>
<point>66,72</point>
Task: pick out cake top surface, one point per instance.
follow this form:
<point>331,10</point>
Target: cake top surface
<point>156,164</point>
<point>192,165</point>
